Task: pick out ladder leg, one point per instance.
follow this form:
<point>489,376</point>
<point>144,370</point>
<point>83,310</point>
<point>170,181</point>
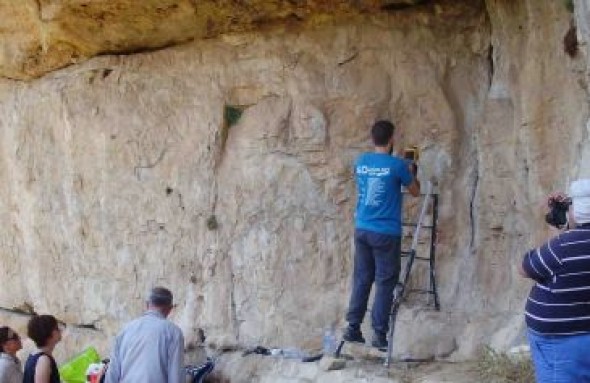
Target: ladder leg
<point>433,240</point>
<point>339,349</point>
<point>398,294</point>
<point>433,287</point>
<point>392,319</point>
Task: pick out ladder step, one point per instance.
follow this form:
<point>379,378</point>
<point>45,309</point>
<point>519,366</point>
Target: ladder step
<point>432,195</point>
<point>417,259</point>
<point>412,224</point>
<point>408,253</point>
<point>421,291</point>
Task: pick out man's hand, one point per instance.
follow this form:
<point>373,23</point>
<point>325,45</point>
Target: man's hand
<point>414,186</point>
<point>556,196</point>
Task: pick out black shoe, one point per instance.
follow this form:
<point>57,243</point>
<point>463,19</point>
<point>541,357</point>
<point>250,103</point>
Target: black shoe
<point>352,334</point>
<point>379,341</point>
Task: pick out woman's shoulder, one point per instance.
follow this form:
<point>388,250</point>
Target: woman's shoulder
<point>38,357</point>
<point>43,358</point>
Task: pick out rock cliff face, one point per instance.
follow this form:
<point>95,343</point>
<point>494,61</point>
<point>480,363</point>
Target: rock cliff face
<point>222,167</point>
<point>43,35</point>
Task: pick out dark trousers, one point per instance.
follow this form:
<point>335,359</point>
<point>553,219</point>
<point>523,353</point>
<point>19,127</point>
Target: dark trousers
<point>377,258</point>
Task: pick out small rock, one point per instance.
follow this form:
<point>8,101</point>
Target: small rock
<point>329,363</point>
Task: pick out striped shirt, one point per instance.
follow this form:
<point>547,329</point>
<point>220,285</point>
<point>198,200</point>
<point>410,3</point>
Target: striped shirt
<point>559,303</point>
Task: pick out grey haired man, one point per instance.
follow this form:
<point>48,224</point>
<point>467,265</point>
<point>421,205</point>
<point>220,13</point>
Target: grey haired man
<point>149,349</point>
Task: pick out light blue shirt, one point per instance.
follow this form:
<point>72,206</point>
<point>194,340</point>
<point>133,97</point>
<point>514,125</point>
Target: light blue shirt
<point>379,179</point>
<point>150,349</point>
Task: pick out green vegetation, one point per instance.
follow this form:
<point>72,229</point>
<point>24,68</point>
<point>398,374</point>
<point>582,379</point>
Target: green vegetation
<point>212,223</point>
<point>569,5</point>
<point>232,114</point>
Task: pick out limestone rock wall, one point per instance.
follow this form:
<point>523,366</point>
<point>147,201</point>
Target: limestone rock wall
<point>39,36</point>
<point>123,172</point>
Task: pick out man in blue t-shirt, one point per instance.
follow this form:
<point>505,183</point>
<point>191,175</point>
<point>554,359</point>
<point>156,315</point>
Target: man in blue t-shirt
<point>377,237</point>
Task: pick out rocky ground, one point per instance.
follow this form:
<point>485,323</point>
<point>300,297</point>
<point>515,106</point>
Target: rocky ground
<point>365,364</point>
<point>236,368</point>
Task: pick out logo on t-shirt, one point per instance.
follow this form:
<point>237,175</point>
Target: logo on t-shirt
<point>372,172</point>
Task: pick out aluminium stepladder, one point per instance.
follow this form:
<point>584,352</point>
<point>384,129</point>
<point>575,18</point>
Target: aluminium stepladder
<point>399,292</point>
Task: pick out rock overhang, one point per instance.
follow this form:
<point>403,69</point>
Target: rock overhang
<point>40,36</point>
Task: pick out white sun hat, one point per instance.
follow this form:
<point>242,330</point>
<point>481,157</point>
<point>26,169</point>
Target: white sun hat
<point>580,194</point>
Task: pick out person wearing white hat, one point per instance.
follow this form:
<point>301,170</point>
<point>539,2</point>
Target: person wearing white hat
<point>580,195</point>
<point>558,307</point>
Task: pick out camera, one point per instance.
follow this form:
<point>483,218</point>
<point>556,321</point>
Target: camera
<point>557,215</point>
<point>411,155</point>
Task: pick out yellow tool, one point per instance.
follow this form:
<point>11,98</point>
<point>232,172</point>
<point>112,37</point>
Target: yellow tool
<point>412,153</point>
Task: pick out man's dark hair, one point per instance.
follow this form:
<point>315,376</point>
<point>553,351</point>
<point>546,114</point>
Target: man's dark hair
<point>160,297</point>
<point>40,328</point>
<point>381,132</point>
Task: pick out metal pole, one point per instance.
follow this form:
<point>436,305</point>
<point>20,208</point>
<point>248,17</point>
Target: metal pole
<point>433,241</point>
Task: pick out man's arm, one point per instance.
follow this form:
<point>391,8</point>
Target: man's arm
<point>113,374</point>
<point>414,188</point>
<point>408,178</point>
<point>522,271</point>
<point>541,264</point>
<point>176,371</point>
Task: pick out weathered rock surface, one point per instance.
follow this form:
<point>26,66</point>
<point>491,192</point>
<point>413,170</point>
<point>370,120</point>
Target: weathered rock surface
<point>122,172</point>
<point>39,36</point>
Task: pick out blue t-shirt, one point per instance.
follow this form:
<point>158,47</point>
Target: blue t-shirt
<point>379,178</point>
